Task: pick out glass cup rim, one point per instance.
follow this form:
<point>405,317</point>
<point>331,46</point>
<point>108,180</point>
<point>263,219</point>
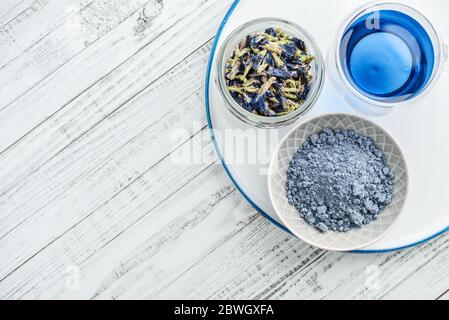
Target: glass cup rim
<point>263,121</point>
<point>435,37</point>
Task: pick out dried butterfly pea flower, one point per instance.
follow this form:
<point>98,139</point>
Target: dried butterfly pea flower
<point>299,44</point>
<point>282,74</point>
<point>269,73</point>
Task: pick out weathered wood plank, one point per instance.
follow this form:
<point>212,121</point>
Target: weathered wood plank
<point>9,9</point>
<point>200,218</point>
<point>256,259</point>
<point>61,90</point>
<point>35,23</point>
<point>59,47</point>
<point>141,201</point>
<point>98,165</point>
<point>427,279</point>
<point>274,274</point>
<point>206,226</point>
<point>89,110</point>
<point>194,212</point>
<point>346,276</point>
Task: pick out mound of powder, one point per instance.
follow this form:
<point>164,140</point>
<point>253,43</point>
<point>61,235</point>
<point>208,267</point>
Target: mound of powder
<point>339,180</point>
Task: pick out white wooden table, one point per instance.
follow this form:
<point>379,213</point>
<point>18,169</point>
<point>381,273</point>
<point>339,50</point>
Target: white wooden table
<point>97,99</point>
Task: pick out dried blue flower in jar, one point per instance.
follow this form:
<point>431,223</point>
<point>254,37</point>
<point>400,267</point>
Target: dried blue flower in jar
<point>269,73</point>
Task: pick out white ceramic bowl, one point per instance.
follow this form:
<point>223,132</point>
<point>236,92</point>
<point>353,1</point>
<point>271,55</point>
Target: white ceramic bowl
<point>336,241</point>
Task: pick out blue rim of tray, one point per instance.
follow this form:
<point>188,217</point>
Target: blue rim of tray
<point>220,155</point>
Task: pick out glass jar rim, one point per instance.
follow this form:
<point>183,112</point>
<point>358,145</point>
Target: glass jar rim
<point>430,30</point>
<point>263,121</point>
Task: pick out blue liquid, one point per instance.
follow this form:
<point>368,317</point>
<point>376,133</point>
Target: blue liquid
<point>390,58</point>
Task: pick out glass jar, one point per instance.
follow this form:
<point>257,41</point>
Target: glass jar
<point>389,63</point>
<point>232,42</point>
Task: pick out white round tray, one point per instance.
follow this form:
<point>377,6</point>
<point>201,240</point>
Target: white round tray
<point>422,129</point>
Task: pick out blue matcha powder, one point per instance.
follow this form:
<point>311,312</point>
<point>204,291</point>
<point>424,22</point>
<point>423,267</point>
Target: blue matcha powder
<point>339,180</point>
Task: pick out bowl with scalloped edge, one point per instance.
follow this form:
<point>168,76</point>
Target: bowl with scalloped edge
<point>337,241</point>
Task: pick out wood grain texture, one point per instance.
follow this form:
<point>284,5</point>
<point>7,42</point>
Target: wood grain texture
<point>88,110</point>
<point>10,9</point>
<point>60,46</point>
<point>109,185</point>
<point>35,24</point>
<point>121,150</point>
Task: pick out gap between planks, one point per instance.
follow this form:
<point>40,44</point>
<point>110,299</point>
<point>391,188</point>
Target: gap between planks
<point>32,35</point>
<point>76,46</point>
<point>14,11</point>
<point>84,91</point>
<point>201,85</point>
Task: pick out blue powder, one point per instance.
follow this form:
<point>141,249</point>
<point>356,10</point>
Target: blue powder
<point>339,180</point>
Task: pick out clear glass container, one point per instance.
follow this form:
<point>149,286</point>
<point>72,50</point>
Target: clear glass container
<point>368,14</point>
<point>232,42</point>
